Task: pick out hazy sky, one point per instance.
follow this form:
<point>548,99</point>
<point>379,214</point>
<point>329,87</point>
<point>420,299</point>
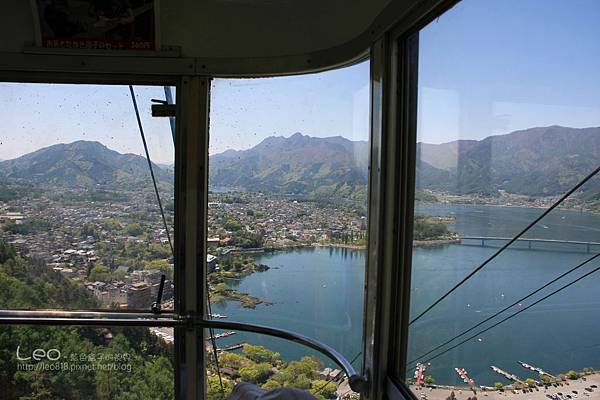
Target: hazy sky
<point>40,115</point>
<point>243,112</point>
<point>487,67</point>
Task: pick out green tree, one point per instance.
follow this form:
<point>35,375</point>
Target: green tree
<point>232,360</point>
<point>31,226</point>
<point>248,240</point>
<point>87,230</point>
<point>429,380</point>
<point>159,251</point>
<point>327,390</point>
<point>161,265</point>
<point>112,384</point>
<point>30,283</point>
<point>111,224</point>
<point>530,382</point>
<point>299,373</point>
<point>308,366</point>
<point>232,225</point>
<point>7,252</point>
<point>573,374</point>
<point>155,380</point>
<point>425,229</point>
<point>27,283</point>
<point>255,373</point>
<point>213,388</point>
<point>134,229</point>
<point>99,272</point>
<point>260,354</point>
<point>271,384</point>
<point>499,385</point>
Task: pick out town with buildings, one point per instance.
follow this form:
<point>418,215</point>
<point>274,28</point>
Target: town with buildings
<point>257,220</point>
<point>117,248</point>
<point>115,244</point>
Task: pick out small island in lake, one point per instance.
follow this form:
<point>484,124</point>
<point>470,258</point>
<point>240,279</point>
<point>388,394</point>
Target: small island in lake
<point>232,266</point>
<point>432,231</point>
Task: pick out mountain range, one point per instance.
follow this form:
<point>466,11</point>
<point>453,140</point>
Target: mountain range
<point>300,164</point>
<point>540,161</point>
<point>82,164</point>
<point>536,162</point>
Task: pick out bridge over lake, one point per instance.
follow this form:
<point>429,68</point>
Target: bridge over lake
<point>530,242</point>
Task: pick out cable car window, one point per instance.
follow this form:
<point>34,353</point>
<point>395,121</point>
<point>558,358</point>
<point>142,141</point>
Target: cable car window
<point>505,239</point>
<point>82,226</point>
<point>287,219</point>
<point>86,223</point>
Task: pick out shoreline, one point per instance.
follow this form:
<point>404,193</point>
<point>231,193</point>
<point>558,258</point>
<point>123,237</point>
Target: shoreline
<point>538,392</point>
<point>342,246</point>
<point>437,242</point>
<point>248,301</point>
<point>537,207</point>
<point>416,243</point>
<point>467,201</point>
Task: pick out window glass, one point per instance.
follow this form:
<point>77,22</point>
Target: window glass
<point>81,229</point>
<point>507,123</point>
<point>80,225</point>
<point>287,211</point>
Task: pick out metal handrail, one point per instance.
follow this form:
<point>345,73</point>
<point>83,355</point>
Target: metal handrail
<point>125,314</point>
<point>357,382</point>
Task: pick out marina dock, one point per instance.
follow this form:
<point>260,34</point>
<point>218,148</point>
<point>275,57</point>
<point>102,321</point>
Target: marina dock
<point>419,373</point>
<point>464,376</point>
<point>536,369</point>
<point>224,334</point>
<point>507,375</point>
<point>231,347</point>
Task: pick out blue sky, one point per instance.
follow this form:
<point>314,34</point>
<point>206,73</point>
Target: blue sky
<point>492,67</point>
<point>487,67</point>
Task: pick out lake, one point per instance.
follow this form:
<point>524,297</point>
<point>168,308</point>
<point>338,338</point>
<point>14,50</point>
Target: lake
<point>318,292</point>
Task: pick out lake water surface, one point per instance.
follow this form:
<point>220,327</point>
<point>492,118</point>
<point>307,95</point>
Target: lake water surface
<point>319,293</point>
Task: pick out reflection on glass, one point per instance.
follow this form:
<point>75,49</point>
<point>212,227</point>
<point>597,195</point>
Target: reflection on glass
<point>288,175</point>
<point>79,222</point>
<point>503,132</point>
